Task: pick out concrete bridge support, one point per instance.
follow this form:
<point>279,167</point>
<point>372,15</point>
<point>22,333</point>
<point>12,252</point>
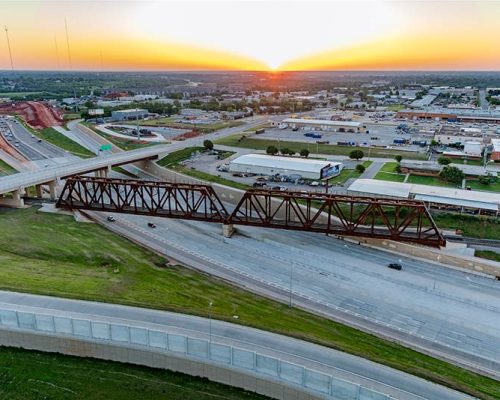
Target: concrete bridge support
<point>39,191</point>
<point>52,190</point>
<point>228,230</point>
<point>15,200</point>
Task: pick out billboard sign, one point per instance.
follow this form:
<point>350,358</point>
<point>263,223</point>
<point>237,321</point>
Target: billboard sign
<point>96,111</point>
<point>329,171</point>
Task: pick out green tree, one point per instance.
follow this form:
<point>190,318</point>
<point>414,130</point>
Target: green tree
<point>356,155</point>
<point>360,168</point>
<point>291,152</point>
<point>208,144</point>
<point>285,151</point>
<point>304,153</point>
<point>487,179</point>
<point>444,160</point>
<point>272,150</point>
<point>452,174</point>
<point>398,158</point>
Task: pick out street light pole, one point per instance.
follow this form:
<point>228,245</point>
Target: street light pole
<point>210,322</point>
<point>291,284</point>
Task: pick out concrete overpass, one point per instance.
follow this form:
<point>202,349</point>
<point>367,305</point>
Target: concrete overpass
<point>12,187</point>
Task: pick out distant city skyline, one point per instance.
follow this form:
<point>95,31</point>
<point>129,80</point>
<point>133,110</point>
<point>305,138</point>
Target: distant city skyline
<point>251,35</point>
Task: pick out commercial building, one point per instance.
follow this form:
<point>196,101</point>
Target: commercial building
<point>466,116</point>
<point>434,196</point>
<point>261,164</point>
<point>457,135</point>
<point>130,114</point>
<point>495,152</point>
<point>323,125</point>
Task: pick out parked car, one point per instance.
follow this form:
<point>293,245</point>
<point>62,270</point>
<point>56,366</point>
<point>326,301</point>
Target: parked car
<point>111,218</point>
<point>395,266</point>
<point>151,225</point>
<point>259,184</point>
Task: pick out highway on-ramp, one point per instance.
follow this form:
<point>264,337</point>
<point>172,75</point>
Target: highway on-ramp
<point>341,365</point>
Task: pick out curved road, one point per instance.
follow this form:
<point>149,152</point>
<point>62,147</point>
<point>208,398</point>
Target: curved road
<point>355,369</point>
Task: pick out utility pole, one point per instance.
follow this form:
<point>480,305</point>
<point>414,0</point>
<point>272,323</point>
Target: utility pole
<point>137,123</point>
<point>67,44</point>
<point>210,322</point>
<point>8,45</point>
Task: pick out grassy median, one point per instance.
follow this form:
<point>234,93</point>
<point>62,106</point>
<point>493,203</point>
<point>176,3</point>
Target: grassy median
<point>26,375</point>
<point>51,254</point>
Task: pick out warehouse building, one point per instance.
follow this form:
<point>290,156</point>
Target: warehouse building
<point>434,196</point>
<point>323,125</point>
<point>130,114</point>
<point>260,164</point>
<point>458,135</point>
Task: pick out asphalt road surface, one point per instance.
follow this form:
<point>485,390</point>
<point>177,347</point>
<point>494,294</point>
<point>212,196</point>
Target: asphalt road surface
<point>43,148</point>
<point>441,311</point>
<point>355,369</point>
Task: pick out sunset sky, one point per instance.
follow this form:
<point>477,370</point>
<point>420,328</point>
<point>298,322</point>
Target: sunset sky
<point>251,35</point>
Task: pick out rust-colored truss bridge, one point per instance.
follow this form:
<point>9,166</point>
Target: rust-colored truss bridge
<point>400,220</point>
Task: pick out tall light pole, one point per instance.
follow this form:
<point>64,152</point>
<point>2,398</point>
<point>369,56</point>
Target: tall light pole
<point>67,44</point>
<point>209,323</point>
<point>8,45</point>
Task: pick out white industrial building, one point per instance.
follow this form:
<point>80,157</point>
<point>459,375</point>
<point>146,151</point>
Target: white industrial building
<point>323,125</point>
<point>435,196</point>
<point>261,164</point>
<point>129,114</point>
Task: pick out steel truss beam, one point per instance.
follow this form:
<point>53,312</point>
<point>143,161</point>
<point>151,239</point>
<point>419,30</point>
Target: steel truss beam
<point>400,220</point>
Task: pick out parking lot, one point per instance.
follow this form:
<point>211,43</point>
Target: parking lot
<point>375,135</point>
<point>213,166</point>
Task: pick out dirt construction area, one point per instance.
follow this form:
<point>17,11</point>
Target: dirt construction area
<point>37,114</point>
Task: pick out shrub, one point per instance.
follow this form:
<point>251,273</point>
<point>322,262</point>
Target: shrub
<point>444,160</point>
<point>272,150</point>
<point>360,168</point>
<point>208,144</point>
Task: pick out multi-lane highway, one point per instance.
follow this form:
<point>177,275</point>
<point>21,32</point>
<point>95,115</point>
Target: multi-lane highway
<point>28,144</point>
<point>445,312</point>
<point>341,365</point>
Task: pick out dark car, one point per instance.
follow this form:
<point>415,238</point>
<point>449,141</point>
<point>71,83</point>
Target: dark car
<point>111,218</point>
<point>151,225</point>
<point>395,266</point>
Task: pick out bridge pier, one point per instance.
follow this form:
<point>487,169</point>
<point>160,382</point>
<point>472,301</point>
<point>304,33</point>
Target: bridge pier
<point>15,201</point>
<point>102,173</point>
<point>39,191</point>
<point>228,230</point>
<point>52,190</point>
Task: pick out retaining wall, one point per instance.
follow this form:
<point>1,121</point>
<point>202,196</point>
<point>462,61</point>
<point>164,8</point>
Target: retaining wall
<point>158,348</point>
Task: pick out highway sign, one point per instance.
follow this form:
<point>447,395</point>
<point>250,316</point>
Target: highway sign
<point>105,147</point>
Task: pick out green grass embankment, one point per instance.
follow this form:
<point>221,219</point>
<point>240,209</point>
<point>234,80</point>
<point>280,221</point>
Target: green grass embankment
<point>54,255</point>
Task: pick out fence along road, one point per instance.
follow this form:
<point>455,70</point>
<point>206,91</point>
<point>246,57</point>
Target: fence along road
<point>320,371</point>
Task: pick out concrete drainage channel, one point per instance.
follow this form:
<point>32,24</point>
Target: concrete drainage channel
<point>90,336</point>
